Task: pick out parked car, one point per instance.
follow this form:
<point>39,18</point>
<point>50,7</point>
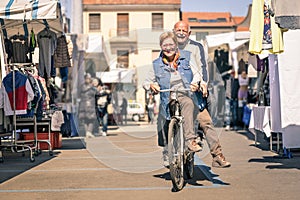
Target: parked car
<point>135,111</point>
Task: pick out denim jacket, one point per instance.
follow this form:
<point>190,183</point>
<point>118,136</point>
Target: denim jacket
<point>163,76</point>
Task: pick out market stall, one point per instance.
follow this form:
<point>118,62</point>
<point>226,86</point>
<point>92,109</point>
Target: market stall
<point>30,34</point>
<point>275,39</point>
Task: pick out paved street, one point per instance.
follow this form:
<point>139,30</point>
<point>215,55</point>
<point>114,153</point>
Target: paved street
<point>127,165</point>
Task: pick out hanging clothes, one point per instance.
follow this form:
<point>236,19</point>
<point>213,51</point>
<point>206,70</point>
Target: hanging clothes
<point>287,13</point>
<point>8,49</point>
<point>19,49</point>
<point>61,55</point>
<point>43,87</point>
<point>47,44</point>
<point>257,27</point>
<point>23,93</point>
<point>32,44</point>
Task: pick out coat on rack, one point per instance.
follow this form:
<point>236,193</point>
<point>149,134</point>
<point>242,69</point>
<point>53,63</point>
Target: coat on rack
<point>23,93</point>
<point>61,55</point>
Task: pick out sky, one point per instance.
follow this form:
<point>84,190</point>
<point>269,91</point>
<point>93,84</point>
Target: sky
<point>236,7</point>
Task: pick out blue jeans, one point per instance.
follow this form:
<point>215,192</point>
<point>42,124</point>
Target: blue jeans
<point>227,118</point>
<point>102,117</point>
<point>234,109</point>
<point>231,107</point>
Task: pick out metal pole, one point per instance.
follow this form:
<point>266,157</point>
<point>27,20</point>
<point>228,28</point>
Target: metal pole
<point>77,17</point>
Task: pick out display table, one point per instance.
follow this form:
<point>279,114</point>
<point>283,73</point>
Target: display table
<point>260,120</point>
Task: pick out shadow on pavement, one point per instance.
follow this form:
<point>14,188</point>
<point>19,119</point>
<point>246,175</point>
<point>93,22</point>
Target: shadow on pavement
<point>73,143</point>
<point>262,141</point>
<point>280,162</point>
<point>201,173</point>
<point>15,163</point>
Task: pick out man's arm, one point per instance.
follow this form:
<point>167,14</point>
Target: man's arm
<point>202,58</point>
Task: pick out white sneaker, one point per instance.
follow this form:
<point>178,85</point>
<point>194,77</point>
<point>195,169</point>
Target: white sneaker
<point>104,133</point>
<point>227,128</point>
<point>165,159</point>
<point>89,135</point>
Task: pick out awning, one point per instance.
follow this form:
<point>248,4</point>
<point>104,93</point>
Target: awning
<point>233,39</point>
<point>117,76</point>
<point>95,43</point>
<point>17,16</point>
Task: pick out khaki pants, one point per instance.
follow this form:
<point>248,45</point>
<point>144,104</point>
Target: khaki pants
<point>210,133</point>
<point>187,111</point>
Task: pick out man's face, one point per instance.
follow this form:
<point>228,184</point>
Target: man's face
<point>182,32</point>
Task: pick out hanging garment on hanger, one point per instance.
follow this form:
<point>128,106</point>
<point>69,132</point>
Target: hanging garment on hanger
<point>20,49</point>
<point>61,55</point>
<point>47,40</point>
<point>8,49</point>
<point>32,44</point>
<point>23,93</point>
<point>257,28</point>
<point>267,33</point>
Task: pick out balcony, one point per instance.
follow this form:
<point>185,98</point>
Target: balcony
<point>122,40</point>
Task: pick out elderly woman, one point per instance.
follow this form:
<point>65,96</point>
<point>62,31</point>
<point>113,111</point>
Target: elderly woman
<point>171,70</point>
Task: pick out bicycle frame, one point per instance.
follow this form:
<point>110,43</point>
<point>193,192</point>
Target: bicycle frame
<point>177,160</point>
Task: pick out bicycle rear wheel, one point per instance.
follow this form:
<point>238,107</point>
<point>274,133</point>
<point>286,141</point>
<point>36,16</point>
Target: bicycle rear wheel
<point>175,152</point>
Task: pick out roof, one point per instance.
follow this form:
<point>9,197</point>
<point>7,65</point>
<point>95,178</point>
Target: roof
<point>211,19</point>
<point>130,2</point>
<point>238,19</point>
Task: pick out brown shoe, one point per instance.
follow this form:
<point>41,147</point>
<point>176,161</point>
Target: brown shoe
<point>219,161</point>
<point>194,146</point>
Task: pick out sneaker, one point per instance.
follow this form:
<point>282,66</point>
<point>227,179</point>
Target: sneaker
<point>89,135</point>
<point>104,133</point>
<point>165,159</point>
<point>219,161</point>
<point>227,128</point>
<point>194,146</point>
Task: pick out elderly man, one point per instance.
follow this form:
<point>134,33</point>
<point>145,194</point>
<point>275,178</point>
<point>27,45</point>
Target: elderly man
<point>182,32</point>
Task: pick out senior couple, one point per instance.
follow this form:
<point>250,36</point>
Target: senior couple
<point>182,64</point>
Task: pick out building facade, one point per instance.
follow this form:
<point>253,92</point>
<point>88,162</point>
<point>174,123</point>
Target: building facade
<point>129,32</point>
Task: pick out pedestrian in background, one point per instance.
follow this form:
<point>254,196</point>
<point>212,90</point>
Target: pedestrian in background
<point>102,99</point>
<point>124,110</point>
<point>87,106</point>
<point>150,105</point>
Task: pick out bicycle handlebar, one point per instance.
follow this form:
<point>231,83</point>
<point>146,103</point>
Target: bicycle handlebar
<point>174,90</point>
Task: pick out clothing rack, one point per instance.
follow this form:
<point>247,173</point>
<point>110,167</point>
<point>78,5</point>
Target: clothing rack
<point>24,145</point>
<point>14,145</point>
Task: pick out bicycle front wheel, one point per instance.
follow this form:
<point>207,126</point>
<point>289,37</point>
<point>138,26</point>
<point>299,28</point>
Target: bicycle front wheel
<point>175,152</point>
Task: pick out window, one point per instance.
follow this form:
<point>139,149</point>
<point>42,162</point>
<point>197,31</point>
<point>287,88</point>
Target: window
<point>201,35</point>
<point>94,22</point>
<point>123,58</point>
<point>157,21</point>
<point>221,20</point>
<point>193,19</point>
<point>123,24</point>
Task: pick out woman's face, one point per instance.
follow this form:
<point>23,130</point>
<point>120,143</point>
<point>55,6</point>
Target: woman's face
<point>168,47</point>
<point>244,74</point>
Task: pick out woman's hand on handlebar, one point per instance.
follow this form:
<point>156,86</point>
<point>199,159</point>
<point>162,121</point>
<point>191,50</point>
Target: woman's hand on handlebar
<point>154,88</point>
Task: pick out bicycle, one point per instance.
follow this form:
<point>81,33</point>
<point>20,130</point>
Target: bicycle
<point>181,160</point>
